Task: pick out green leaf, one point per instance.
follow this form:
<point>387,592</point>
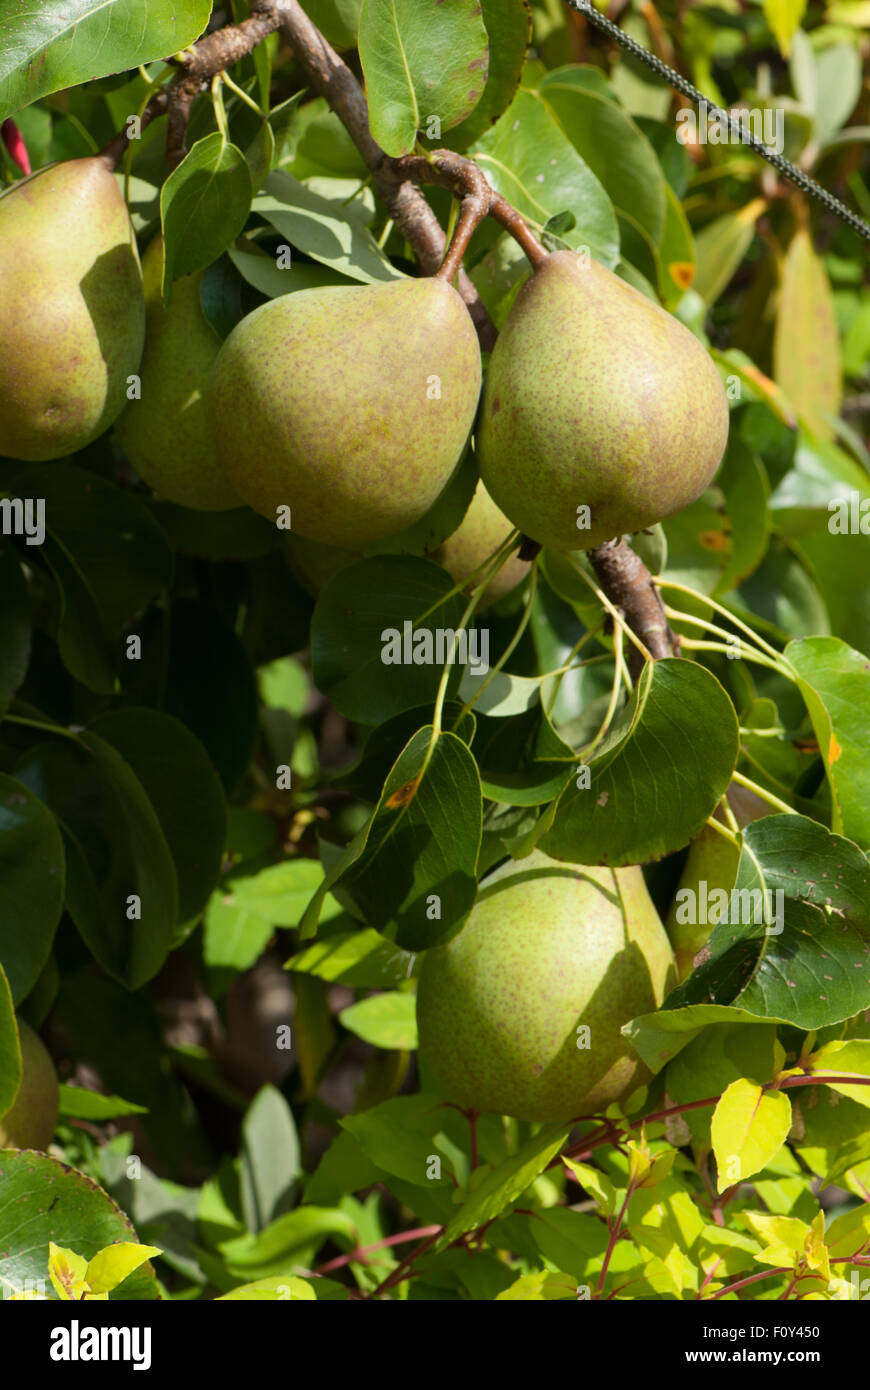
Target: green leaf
<point>415,879</point>
<point>834,680</point>
<point>280,1288</point>
<point>32,871</point>
<point>14,624</point>
<point>674,745</point>
<point>355,611</point>
<point>613,147</point>
<point>527,157</point>
<point>109,559</point>
<point>10,1049</point>
<point>204,204</point>
<point>115,852</point>
<point>66,42</point>
<point>185,791</point>
<point>324,228</point>
<point>805,958</point>
<point>851,1057</point>
<point>506,1183</point>
<point>508,27</point>
<point>361,959</point>
<point>292,1239</point>
<point>77,1103</point>
<point>270,1160</point>
<point>748,1128</point>
<point>420,63</point>
<point>720,248</point>
<point>66,1207</point>
<point>806,352</point>
<point>399,1137</point>
<point>719,1055</point>
<point>385,1020</point>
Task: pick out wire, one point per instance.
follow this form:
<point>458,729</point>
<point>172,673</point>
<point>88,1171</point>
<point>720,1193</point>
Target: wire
<point>682,84</point>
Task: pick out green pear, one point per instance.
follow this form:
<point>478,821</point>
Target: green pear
<point>165,433</point>
<point>483,528</point>
<point>350,405</point>
<point>31,1121</point>
<point>596,398</point>
<point>72,316</point>
<point>549,949</point>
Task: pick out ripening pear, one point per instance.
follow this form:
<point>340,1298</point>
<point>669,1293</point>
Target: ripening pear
<point>481,531</point>
<point>520,1013</point>
<point>165,433</point>
<point>31,1121</point>
<point>597,399</point>
<point>72,316</point>
<point>350,405</point>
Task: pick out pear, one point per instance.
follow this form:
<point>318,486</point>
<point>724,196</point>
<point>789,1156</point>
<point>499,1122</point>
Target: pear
<point>165,433</point>
<point>72,316</point>
<point>596,398</point>
<point>549,951</point>
<point>30,1123</point>
<point>481,531</point>
<point>350,405</point>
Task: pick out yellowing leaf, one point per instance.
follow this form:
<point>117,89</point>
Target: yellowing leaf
<point>815,1250</point>
<point>598,1184</point>
<point>749,1126</point>
<point>67,1272</point>
<point>806,348</point>
<point>785,1238</point>
<point>783,18</point>
<point>851,1057</point>
<point>110,1267</point>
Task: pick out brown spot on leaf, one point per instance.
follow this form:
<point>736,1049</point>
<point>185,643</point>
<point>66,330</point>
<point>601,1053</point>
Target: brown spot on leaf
<point>714,540</point>
<point>404,794</point>
<point>682,273</point>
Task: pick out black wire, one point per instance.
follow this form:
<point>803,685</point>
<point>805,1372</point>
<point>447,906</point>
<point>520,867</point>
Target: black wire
<point>681,84</point>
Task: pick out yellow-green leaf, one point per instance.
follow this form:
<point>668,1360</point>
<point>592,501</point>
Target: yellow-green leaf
<point>597,1184</point>
<point>806,347</point>
<point>67,1272</point>
<point>785,1237</point>
<point>110,1267</point>
<point>749,1126</point>
<point>852,1058</point>
<point>280,1288</point>
<point>783,18</point>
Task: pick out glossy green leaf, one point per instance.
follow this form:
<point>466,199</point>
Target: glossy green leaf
<point>834,680</point>
<point>508,29</point>
<point>384,1020</point>
<point>204,204</point>
<point>32,872</point>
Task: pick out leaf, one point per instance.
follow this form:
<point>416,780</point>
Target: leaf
<point>594,1182</point>
<point>110,1267</point>
<point>270,1160</point>
<point>323,228</point>
<point>354,617</point>
<point>32,870</point>
<point>848,1057</point>
<point>674,746</point>
<point>613,147</point>
<point>77,1103</point>
<point>109,559</point>
<point>720,247</point>
<point>509,28</point>
<point>292,1239</point>
<point>384,1020</point>
<point>804,957</point>
<point>505,1183</point>
<point>398,1136</point>
<point>806,349</point>
<point>204,204</point>
<point>529,160</point>
<point>10,1048</point>
<point>65,1207</point>
<point>420,62</point>
<point>14,624</point>
<point>748,1128</point>
<point>68,1273</point>
<point>185,791</point>
<point>65,42</point>
<point>115,853</point>
<point>783,18</point>
<point>361,959</point>
<point>834,680</point>
<point>279,1288</point>
<point>415,879</point>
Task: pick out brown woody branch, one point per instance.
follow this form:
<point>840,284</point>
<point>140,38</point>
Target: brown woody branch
<point>628,584</point>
